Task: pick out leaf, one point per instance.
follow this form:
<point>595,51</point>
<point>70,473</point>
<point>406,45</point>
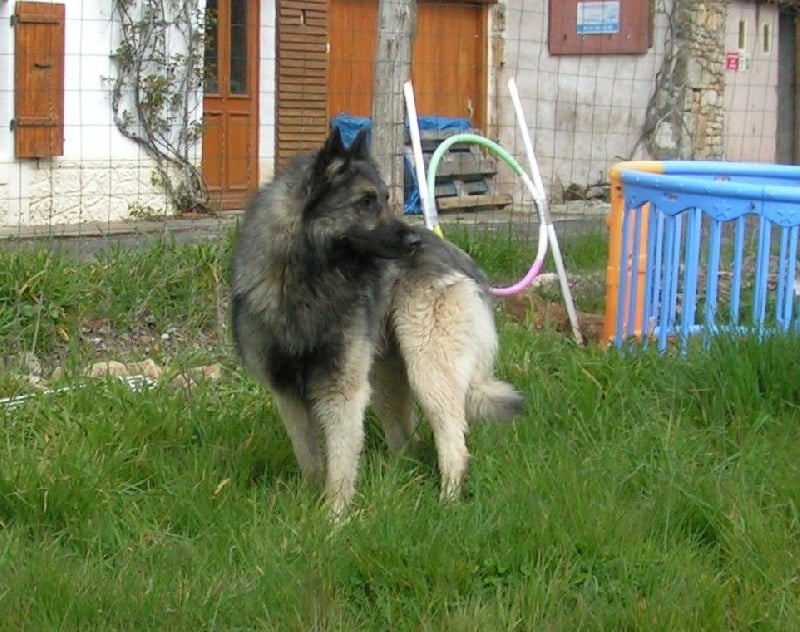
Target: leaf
<point>220,486</point>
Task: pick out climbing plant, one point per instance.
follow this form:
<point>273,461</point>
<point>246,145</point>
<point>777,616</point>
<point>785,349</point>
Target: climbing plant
<point>664,133</point>
<point>156,94</point>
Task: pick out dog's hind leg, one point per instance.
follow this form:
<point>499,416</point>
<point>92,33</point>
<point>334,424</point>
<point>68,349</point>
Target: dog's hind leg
<point>392,401</point>
<point>434,326</point>
<point>439,381</point>
<point>304,435</point>
<point>339,404</point>
<point>443,405</point>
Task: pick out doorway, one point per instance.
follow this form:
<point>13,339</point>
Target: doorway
<point>448,68</point>
<point>230,102</point>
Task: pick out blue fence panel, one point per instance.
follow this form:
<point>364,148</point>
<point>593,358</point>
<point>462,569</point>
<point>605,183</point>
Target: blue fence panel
<point>718,234</point>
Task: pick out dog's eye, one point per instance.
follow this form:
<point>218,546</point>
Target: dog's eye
<point>368,200</point>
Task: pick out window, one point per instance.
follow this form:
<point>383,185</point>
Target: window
<point>766,38</point>
<point>742,35</point>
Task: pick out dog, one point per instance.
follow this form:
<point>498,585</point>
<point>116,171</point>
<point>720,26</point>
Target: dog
<point>338,305</point>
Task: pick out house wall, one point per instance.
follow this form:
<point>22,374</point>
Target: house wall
<point>751,92</point>
<point>785,141</point>
<point>6,110</point>
<point>102,176</point>
<point>585,112</point>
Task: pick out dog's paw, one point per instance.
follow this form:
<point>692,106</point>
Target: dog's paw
<point>451,491</point>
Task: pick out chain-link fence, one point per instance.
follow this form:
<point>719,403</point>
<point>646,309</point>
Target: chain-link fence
<point>139,117</point>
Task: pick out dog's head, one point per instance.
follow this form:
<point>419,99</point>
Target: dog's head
<point>347,202</point>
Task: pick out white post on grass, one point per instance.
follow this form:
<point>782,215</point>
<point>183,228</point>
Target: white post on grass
<point>544,211</point>
<point>427,202</point>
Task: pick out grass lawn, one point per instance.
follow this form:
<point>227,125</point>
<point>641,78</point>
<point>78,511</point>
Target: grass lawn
<point>638,491</point>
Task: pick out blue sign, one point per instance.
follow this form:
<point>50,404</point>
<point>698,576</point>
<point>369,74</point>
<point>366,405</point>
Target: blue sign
<point>598,18</point>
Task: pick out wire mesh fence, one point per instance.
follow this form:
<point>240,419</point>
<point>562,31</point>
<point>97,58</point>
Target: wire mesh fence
<point>144,116</point>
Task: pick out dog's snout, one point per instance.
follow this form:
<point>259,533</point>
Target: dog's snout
<point>412,239</point>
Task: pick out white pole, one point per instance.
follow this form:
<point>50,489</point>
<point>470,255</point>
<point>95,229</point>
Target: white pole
<point>426,200</point>
<point>544,212</point>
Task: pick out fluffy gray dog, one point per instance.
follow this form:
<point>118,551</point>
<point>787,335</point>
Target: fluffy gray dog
<point>338,305</point>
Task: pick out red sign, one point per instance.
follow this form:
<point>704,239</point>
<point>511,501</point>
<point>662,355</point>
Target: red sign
<point>731,61</point>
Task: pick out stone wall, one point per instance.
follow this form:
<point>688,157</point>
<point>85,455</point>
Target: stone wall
<point>686,114</point>
<point>704,49</point>
<point>71,191</point>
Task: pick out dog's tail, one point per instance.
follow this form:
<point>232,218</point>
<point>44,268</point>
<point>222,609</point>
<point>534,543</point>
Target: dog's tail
<point>493,400</point>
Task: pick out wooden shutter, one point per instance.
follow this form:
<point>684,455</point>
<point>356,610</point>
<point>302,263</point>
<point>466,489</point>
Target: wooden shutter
<point>302,74</point>
<point>39,79</point>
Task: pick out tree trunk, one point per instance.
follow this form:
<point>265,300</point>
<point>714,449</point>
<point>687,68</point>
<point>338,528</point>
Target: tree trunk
<point>397,26</point>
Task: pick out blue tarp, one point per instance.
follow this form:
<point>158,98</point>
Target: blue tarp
<point>349,126</point>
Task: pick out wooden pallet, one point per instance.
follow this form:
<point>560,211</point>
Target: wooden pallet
<point>466,177</point>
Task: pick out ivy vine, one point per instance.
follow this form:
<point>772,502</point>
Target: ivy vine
<point>156,97</point>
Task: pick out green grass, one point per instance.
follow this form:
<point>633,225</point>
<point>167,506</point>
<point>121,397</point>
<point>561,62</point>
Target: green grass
<point>53,305</point>
<point>506,257</point>
<point>638,491</point>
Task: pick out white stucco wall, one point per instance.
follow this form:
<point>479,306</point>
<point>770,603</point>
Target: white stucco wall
<point>584,112</point>
<point>102,176</point>
<point>6,109</point>
<point>751,92</point>
<point>266,87</point>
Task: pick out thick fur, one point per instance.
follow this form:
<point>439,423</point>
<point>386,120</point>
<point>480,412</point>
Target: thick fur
<point>338,305</point>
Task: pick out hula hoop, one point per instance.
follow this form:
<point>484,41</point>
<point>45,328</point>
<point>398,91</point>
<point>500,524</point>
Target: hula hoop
<point>433,168</point>
<point>547,233</point>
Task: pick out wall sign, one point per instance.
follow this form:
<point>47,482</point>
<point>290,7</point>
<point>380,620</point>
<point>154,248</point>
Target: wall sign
<point>597,18</point>
<point>602,27</point>
<point>731,61</point>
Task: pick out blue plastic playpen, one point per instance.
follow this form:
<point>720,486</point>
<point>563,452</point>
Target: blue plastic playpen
<point>701,247</point>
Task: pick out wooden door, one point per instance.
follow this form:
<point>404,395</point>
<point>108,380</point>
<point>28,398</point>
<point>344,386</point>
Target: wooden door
<point>448,68</point>
<point>230,102</point>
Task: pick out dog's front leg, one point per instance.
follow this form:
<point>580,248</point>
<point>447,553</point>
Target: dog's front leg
<point>339,406</point>
<point>302,432</point>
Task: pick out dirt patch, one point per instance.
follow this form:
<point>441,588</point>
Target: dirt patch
<point>529,308</point>
<point>148,340</point>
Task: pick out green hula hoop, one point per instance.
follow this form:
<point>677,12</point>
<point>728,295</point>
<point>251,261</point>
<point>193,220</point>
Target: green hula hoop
<point>436,159</point>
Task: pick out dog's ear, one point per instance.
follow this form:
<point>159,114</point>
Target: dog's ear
<point>360,146</point>
<point>333,144</point>
<point>331,160</point>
